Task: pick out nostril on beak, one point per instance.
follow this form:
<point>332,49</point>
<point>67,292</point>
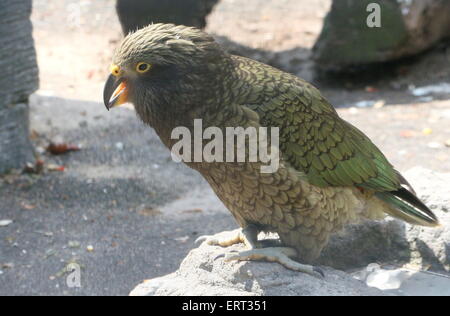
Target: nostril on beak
<point>116,71</point>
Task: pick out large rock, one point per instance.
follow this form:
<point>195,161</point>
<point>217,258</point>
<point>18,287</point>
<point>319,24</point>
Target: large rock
<point>135,14</point>
<point>407,28</point>
<point>18,80</point>
<point>15,147</point>
<point>388,241</point>
<point>201,274</point>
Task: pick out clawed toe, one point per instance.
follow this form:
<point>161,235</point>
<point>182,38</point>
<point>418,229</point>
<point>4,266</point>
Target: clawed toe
<point>266,250</point>
<point>319,271</point>
<point>281,255</point>
<point>224,240</point>
<point>210,240</point>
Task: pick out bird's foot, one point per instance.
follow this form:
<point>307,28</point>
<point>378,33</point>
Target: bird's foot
<point>282,255</point>
<point>248,236</point>
<point>264,250</point>
<point>225,239</point>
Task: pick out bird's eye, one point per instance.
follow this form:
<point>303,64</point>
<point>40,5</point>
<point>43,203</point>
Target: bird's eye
<point>143,67</point>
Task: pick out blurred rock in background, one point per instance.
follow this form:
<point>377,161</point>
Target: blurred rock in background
<point>407,28</point>
<point>135,14</point>
<point>18,80</point>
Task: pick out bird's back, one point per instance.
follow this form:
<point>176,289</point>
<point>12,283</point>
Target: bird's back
<point>331,174</point>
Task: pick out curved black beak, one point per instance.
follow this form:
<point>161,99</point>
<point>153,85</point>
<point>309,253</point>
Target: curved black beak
<point>115,92</point>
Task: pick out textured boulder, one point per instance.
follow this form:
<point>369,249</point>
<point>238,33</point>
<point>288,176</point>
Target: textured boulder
<point>18,80</point>
<point>407,28</point>
<point>135,14</point>
<point>389,241</point>
<point>201,274</point>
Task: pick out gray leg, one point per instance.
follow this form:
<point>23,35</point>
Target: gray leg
<point>266,250</point>
<point>282,255</point>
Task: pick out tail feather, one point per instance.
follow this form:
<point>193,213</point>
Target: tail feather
<point>408,207</point>
<point>405,182</point>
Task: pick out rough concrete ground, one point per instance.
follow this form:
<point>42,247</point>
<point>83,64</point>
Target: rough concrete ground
<point>121,194</point>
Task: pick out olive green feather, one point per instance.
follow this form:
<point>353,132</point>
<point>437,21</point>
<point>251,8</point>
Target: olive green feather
<point>408,208</point>
<point>329,150</point>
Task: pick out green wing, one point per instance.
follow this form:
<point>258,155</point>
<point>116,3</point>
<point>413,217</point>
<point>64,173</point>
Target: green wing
<point>316,141</point>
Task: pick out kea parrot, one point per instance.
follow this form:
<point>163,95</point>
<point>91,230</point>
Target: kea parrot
<point>330,173</point>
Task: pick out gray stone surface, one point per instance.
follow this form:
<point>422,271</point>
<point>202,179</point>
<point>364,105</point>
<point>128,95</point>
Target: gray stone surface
<point>405,281</point>
<point>407,28</point>
<point>18,80</point>
<point>201,274</point>
<point>15,146</point>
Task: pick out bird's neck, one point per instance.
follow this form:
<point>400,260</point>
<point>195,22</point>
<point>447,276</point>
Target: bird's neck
<point>216,103</point>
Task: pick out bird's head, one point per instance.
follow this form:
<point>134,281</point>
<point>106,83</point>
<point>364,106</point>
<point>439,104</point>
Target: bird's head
<point>164,69</point>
